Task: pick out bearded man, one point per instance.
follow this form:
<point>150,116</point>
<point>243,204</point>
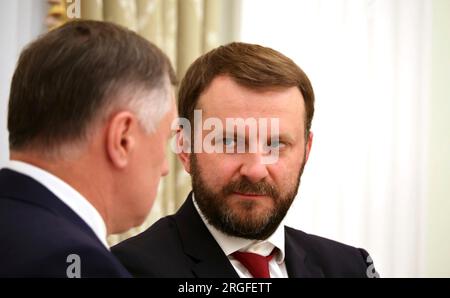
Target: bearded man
<point>232,223</point>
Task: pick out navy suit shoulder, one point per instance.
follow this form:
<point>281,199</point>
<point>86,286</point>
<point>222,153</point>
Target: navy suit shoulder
<point>330,258</point>
<point>39,232</point>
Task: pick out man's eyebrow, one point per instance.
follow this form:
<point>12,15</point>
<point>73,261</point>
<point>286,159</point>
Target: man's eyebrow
<point>282,137</point>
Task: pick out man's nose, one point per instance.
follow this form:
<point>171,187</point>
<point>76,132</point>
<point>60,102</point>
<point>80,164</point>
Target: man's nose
<point>253,167</point>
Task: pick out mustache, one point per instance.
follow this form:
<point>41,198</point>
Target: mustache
<point>245,186</point>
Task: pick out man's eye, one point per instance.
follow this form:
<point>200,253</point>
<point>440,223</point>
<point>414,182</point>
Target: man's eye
<point>229,142</point>
<point>276,144</point>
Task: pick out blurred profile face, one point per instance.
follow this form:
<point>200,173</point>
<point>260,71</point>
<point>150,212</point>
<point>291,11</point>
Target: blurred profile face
<point>149,165</point>
<point>237,192</point>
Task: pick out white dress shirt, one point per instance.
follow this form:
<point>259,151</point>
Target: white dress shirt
<point>67,194</point>
<point>231,244</point>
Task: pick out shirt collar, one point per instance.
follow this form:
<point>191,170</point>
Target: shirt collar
<point>230,244</point>
<point>67,194</point>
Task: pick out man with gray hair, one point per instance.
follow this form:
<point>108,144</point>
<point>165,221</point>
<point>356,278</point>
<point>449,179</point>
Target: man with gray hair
<point>89,117</point>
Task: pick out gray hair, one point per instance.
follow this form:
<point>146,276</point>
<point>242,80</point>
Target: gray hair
<point>151,107</point>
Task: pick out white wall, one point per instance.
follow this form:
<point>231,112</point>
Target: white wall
<point>438,217</point>
<point>20,22</point>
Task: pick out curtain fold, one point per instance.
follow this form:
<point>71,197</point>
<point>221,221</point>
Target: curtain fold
<point>150,20</point>
<point>212,18</point>
<point>92,9</point>
<point>122,12</point>
<point>190,23</point>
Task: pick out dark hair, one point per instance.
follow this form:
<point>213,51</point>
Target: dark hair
<point>250,65</point>
<point>65,78</point>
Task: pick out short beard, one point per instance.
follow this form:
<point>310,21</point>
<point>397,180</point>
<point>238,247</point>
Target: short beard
<point>219,214</point>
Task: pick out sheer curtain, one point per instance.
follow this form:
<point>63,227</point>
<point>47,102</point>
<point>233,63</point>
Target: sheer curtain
<point>368,61</point>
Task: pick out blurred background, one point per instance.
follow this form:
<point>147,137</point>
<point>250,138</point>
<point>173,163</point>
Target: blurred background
<point>379,170</point>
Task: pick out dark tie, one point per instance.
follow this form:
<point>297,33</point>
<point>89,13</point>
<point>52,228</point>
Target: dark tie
<point>257,265</point>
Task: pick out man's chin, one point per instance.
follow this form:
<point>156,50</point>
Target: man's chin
<point>245,209</point>
<point>247,227</point>
<point>253,213</point>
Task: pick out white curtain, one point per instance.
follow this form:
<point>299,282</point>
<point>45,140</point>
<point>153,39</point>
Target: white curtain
<point>368,61</point>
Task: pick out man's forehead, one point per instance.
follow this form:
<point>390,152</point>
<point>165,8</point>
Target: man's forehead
<point>281,102</point>
<point>291,110</point>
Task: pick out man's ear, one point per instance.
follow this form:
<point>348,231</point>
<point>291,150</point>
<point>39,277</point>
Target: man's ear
<point>121,138</point>
<point>183,146</point>
<point>309,141</point>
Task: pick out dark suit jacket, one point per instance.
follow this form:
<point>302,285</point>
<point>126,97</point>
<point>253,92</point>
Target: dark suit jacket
<point>38,232</point>
<point>181,246</point>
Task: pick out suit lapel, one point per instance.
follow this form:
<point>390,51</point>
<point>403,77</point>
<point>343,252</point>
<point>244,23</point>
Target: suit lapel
<point>210,261</point>
<point>198,243</point>
<point>297,262</point>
